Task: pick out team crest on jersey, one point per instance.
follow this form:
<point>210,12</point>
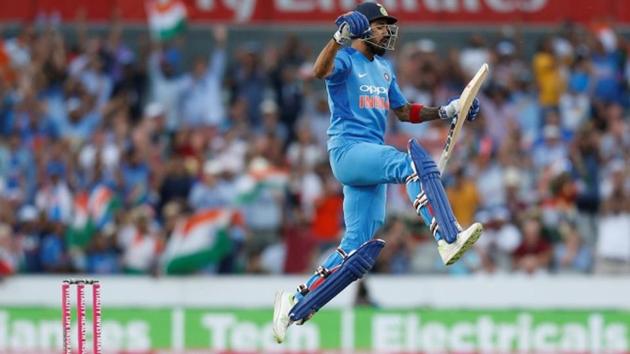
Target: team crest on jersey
<point>386,76</point>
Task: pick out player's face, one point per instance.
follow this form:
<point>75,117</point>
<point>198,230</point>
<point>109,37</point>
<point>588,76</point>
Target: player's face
<point>383,37</point>
<point>380,33</point>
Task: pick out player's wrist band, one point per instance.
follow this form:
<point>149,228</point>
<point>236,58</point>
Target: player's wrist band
<point>414,113</point>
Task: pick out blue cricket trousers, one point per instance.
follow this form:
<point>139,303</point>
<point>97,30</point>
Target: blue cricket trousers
<point>365,169</point>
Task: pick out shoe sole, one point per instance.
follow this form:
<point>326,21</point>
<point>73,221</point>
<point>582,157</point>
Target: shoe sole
<point>277,304</point>
<point>469,242</point>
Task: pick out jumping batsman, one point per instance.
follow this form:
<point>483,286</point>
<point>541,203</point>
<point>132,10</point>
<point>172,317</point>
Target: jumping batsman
<point>361,89</point>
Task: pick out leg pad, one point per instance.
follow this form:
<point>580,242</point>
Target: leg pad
<point>354,267</point>
<point>432,186</point>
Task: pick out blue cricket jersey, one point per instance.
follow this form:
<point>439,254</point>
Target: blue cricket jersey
<point>360,93</point>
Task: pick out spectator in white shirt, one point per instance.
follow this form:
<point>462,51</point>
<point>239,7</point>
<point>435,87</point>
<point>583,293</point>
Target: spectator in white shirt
<point>500,238</point>
<point>55,198</point>
<point>140,241</point>
<point>202,99</point>
<point>167,86</point>
<point>551,150</point>
<point>211,191</point>
<point>474,55</point>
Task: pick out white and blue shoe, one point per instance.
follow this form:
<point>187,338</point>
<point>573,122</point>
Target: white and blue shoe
<point>283,303</point>
<point>452,252</point>
<point>462,240</point>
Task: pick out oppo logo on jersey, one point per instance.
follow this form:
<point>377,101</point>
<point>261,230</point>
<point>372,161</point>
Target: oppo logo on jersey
<point>374,100</point>
<point>373,90</point>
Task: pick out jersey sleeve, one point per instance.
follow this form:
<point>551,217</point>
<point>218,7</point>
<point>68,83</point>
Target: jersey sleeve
<point>396,97</point>
<point>341,67</point>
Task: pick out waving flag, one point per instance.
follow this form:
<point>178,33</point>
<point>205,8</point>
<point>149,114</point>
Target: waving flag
<point>91,212</point>
<point>167,18</point>
<point>261,175</point>
<point>101,206</point>
<point>200,240</point>
<point>81,228</point>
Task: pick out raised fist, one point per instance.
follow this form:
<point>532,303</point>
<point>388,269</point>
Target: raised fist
<point>350,26</point>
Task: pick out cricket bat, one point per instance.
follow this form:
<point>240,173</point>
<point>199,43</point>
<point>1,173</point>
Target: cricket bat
<point>465,101</point>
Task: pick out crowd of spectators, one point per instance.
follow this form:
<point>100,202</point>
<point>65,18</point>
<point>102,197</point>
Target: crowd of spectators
<point>546,168</point>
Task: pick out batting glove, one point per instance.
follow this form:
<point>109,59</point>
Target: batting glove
<point>350,26</point>
<point>452,108</point>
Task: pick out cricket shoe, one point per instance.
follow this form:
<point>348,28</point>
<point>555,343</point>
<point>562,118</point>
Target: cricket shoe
<point>451,252</point>
<point>283,303</point>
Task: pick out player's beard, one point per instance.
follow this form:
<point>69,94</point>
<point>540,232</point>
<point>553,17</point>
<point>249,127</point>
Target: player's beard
<point>376,50</point>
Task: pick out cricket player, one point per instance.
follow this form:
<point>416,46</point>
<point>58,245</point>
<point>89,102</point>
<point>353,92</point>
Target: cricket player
<point>362,88</point>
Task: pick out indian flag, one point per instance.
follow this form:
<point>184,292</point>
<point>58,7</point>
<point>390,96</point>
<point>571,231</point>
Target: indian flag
<point>199,241</point>
<point>81,228</point>
<point>91,212</point>
<point>102,204</point>
<point>167,18</point>
<point>261,175</point>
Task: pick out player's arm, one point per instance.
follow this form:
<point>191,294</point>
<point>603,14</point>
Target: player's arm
<point>349,26</point>
<point>416,113</point>
<point>324,64</point>
<point>409,112</point>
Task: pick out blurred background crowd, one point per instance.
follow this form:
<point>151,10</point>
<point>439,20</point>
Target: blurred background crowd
<point>107,146</point>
